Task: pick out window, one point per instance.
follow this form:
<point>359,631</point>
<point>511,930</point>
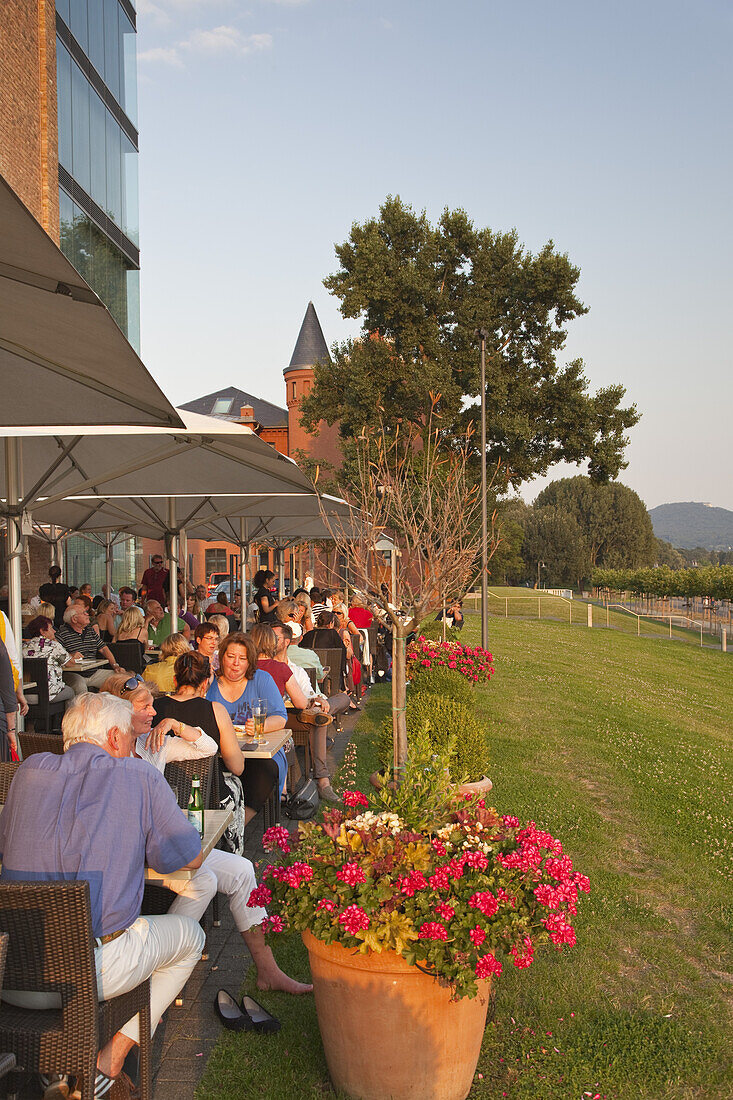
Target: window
<point>222,405</point>
<point>215,561</point>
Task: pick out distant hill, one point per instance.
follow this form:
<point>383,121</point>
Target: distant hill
<point>690,523</point>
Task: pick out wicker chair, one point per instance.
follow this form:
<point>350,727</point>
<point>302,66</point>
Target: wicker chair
<point>7,1061</point>
<point>7,774</point>
<point>331,659</point>
<point>31,743</point>
<point>51,951</point>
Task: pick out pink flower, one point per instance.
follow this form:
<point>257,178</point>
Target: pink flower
<point>355,798</point>
<point>433,930</point>
<point>277,836</point>
<point>327,904</point>
<point>440,880</point>
<point>296,874</point>
<point>559,868</point>
<point>523,959</point>
<point>485,901</point>
<point>412,883</point>
<point>354,919</point>
<point>273,924</point>
<point>351,874</point>
<point>477,861</point>
<point>477,936</point>
<point>438,846</point>
<point>510,821</point>
<point>444,910</point>
<point>560,931</point>
<point>258,897</point>
<point>506,899</point>
<point>486,965</point>
<point>582,882</point>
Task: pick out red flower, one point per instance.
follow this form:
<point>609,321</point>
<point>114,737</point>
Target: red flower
<point>560,869</point>
<point>273,924</point>
<point>260,896</point>
<point>438,846</point>
<point>560,931</point>
<point>326,903</point>
<point>433,930</point>
<point>524,959</point>
<point>296,874</point>
<point>477,936</point>
<point>354,919</point>
<point>440,879</point>
<point>510,821</point>
<point>351,874</point>
<point>355,798</point>
<point>477,861</point>
<point>486,965</point>
<point>444,910</point>
<point>277,836</point>
<point>485,901</point>
<point>412,883</point>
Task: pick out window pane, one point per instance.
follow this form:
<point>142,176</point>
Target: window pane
<point>66,220</point>
<point>80,127</point>
<point>130,213</point>
<point>82,258</point>
<point>128,68</point>
<point>111,47</point>
<point>98,144</point>
<point>114,171</point>
<point>63,79</point>
<point>222,405</point>
<point>78,16</point>
<point>133,308</point>
<point>62,7</point>
<point>96,36</point>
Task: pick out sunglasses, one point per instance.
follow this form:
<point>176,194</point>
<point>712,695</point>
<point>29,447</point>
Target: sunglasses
<point>132,683</point>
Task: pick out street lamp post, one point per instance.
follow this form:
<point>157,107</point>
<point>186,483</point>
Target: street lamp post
<point>483,333</point>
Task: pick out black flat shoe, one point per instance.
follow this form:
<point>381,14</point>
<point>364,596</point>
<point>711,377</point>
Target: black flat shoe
<point>230,1013</point>
<point>260,1018</point>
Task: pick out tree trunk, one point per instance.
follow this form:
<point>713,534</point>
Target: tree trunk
<point>399,697</point>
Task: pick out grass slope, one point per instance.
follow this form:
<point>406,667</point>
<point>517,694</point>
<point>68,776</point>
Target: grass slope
<point>622,747</point>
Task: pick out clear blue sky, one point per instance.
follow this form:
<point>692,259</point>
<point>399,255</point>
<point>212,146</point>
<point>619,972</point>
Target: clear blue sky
<point>267,128</point>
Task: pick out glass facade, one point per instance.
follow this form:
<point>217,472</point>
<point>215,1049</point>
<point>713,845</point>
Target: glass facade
<point>84,562</point>
<point>97,110</point>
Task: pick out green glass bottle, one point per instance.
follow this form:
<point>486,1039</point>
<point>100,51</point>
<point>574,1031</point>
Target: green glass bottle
<point>196,806</point>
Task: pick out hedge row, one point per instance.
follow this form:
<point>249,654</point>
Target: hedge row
<point>714,581</point>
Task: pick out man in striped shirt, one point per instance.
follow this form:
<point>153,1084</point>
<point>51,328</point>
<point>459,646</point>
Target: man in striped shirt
<point>77,635</point>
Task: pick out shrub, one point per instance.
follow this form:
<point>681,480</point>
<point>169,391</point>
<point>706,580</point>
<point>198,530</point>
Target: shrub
<point>434,631</point>
<point>473,663</point>
<point>443,681</point>
<point>442,721</point>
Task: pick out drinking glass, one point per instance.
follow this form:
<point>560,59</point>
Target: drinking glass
<point>259,711</point>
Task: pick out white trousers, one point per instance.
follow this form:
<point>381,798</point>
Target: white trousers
<point>221,872</point>
<point>164,949</point>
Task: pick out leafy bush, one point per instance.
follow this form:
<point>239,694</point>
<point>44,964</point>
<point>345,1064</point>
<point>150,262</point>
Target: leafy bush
<point>434,631</point>
<point>472,662</point>
<point>443,681</point>
<point>448,725</point>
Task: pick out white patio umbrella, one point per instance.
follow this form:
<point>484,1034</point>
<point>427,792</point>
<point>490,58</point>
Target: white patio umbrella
<point>120,468</point>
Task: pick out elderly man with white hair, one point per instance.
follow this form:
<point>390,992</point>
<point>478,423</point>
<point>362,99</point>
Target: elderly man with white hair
<point>99,814</point>
<point>76,635</point>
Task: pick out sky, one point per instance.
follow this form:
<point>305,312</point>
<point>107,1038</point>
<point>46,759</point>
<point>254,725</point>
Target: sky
<point>267,128</point>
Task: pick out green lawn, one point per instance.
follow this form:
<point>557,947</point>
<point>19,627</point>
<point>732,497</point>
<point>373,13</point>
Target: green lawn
<point>622,748</point>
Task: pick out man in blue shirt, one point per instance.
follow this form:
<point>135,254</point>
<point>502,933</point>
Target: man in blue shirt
<point>99,814</point>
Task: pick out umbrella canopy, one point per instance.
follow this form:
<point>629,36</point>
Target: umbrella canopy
<point>63,359</point>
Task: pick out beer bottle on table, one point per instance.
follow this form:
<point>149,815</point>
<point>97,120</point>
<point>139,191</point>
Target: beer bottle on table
<point>196,806</point>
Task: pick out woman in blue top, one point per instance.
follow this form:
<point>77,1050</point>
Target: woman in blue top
<point>238,686</point>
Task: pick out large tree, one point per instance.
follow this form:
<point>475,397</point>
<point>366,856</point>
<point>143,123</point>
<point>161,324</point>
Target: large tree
<point>611,519</point>
<point>421,291</point>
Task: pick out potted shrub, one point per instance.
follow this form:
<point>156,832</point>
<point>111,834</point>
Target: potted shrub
<point>447,682</point>
<point>409,905</point>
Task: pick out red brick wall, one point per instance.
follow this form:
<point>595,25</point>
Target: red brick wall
<point>325,445</point>
<point>28,107</point>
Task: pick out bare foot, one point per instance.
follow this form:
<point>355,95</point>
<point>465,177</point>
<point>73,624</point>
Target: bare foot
<point>277,980</point>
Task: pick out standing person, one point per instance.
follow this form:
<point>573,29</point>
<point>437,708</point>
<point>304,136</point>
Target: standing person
<point>263,597</point>
<point>308,581</point>
<point>76,635</point>
<point>99,815</point>
<point>57,593</point>
<point>8,707</point>
<point>453,615</point>
<point>8,639</point>
<point>154,580</point>
<point>359,614</point>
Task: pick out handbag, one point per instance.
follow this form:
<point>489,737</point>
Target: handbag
<point>302,804</point>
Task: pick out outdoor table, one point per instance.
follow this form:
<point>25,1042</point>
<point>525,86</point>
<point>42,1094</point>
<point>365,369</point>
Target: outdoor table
<point>87,666</point>
<point>215,823</point>
<point>267,746</point>
<point>28,685</point>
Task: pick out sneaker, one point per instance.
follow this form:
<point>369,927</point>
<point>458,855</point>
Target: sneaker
<point>55,1086</point>
<point>328,794</point>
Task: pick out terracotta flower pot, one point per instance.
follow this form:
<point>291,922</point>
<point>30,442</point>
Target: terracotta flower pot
<point>391,1032</point>
<point>481,786</point>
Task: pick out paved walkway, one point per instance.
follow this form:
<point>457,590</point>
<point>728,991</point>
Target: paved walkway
<point>187,1036</point>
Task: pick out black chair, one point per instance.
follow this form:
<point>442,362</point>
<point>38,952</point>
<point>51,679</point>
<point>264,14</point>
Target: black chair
<point>31,743</point>
<point>45,710</point>
<point>51,951</point>
<point>129,655</point>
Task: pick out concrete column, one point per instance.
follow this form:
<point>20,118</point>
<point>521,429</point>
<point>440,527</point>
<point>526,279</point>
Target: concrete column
<point>590,614</point>
<point>172,564</point>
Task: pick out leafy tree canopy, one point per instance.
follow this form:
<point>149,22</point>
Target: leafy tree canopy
<point>421,291</point>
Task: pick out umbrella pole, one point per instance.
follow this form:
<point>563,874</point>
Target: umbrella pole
<point>172,564</point>
<point>183,558</point>
<point>243,559</point>
<point>15,546</point>
<point>280,572</point>
<point>108,564</point>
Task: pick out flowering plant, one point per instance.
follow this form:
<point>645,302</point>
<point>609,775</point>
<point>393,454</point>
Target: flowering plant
<point>472,662</point>
<point>454,899</point>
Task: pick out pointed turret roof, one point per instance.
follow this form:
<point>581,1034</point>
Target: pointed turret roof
<point>310,347</point>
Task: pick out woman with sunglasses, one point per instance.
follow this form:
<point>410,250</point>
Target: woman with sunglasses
<point>221,872</point>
